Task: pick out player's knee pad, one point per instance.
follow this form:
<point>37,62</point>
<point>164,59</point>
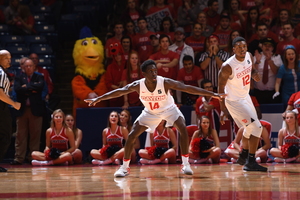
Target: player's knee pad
<point>254,128</point>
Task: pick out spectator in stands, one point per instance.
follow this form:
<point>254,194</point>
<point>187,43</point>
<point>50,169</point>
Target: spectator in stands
<point>187,15</point>
<point>283,4</point>
<point>190,74</point>
<point>160,151</point>
<point>212,15</point>
<point>126,45</point>
<point>288,75</point>
<point>287,136</point>
<point>212,59</point>
<point>55,5</point>
<point>262,32</point>
<point>35,59</point>
<point>59,141</point>
<point>234,149</point>
<point>130,29</point>
<point>28,87</point>
<point>22,62</point>
<point>76,154</point>
<point>264,10</point>
<point>132,12</point>
<point>145,5</point>
<point>161,5</point>
<point>283,18</point>
<point>166,60</point>
<point>207,30</point>
<point>2,17</point>
<point>295,13</point>
<point>154,39</point>
<point>289,39</point>
<point>235,13</point>
<point>266,64</point>
<point>141,42</point>
<point>167,27</point>
<point>207,137</point>
<point>180,47</point>
<point>232,35</point>
<point>11,12</point>
<point>208,106</point>
<point>112,150</point>
<point>196,40</point>
<point>113,75</point>
<point>118,34</point>
<point>130,74</point>
<point>251,22</point>
<point>223,31</point>
<point>23,22</point>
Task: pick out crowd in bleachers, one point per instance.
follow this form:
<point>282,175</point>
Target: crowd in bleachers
<point>188,39</point>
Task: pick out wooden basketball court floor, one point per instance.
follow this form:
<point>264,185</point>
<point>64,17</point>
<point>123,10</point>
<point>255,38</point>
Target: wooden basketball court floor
<point>150,182</point>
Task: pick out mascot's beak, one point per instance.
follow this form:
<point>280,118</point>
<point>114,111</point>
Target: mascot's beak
<point>91,55</point>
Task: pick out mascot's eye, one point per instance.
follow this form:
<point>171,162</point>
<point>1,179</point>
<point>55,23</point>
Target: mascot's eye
<point>94,41</point>
<point>84,42</point>
<point>116,44</point>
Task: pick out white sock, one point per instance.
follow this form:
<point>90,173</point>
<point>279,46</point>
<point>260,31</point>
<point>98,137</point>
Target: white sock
<point>155,161</point>
<point>126,163</point>
<point>185,160</point>
<point>37,162</point>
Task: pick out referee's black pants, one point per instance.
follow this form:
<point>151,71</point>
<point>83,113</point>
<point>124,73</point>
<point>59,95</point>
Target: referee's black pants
<point>5,129</point>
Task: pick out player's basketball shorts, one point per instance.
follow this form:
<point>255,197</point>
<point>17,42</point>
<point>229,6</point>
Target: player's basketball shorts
<point>151,120</point>
<point>242,111</point>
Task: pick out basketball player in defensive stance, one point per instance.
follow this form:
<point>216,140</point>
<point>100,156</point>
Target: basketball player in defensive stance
<point>234,80</point>
<point>154,93</point>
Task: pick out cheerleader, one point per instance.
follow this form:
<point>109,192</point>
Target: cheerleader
<point>112,138</point>
<point>160,152</point>
<point>288,140</point>
<point>60,143</point>
<point>205,144</point>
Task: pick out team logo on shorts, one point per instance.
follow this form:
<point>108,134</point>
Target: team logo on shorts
<point>248,61</point>
<point>159,91</point>
<point>244,120</point>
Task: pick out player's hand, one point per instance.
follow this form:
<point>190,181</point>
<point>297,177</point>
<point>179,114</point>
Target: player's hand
<point>92,95</point>
<point>256,77</point>
<point>17,105</point>
<point>276,95</point>
<point>92,102</point>
<point>223,117</point>
<point>219,96</point>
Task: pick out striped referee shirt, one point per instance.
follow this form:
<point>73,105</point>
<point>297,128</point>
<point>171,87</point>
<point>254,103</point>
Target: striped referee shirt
<point>4,82</point>
<point>212,71</point>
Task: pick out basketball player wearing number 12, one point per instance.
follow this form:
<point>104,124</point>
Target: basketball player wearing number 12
<point>234,79</point>
<point>154,93</point>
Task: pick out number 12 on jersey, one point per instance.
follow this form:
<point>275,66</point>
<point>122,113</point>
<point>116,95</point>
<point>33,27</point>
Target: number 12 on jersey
<point>246,80</point>
<point>153,105</point>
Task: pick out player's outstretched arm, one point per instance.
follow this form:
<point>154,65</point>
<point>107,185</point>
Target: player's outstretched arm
<point>134,86</point>
<point>176,85</point>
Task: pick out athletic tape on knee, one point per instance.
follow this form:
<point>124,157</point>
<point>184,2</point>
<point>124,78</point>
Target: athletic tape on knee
<point>255,129</point>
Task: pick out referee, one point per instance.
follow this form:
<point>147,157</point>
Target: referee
<point>5,118</point>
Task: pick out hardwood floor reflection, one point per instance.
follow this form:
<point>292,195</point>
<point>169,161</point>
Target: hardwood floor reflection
<point>224,181</point>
